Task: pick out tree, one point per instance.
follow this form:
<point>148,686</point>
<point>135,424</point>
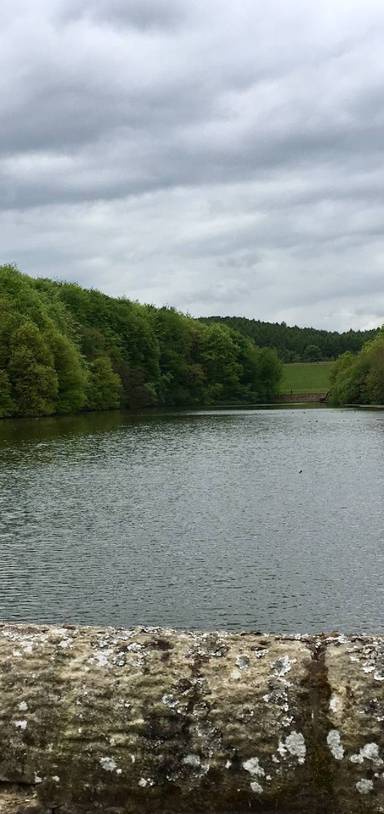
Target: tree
<point>220,359</point>
<point>32,375</point>
<point>291,342</point>
<point>71,374</point>
<point>312,353</point>
<point>344,385</point>
<point>64,348</point>
<point>6,403</point>
<point>360,379</point>
<point>372,359</point>
<point>104,386</point>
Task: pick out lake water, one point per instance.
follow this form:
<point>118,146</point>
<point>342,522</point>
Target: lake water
<point>268,520</point>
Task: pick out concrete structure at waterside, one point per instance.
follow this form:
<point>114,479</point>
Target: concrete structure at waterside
<point>152,720</point>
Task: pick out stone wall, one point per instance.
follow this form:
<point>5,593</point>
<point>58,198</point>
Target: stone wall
<point>153,720</point>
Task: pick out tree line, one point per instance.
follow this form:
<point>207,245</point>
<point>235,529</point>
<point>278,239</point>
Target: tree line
<point>359,379</point>
<point>64,349</point>
<point>294,344</point>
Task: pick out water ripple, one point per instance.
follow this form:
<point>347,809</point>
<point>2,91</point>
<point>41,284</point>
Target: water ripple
<point>240,519</point>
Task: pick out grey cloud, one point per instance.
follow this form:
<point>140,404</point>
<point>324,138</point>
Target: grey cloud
<point>142,14</point>
<point>222,157</point>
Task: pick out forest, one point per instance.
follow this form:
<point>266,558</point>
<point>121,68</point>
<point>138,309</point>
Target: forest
<point>294,344</point>
<point>64,349</point>
<point>359,379</point>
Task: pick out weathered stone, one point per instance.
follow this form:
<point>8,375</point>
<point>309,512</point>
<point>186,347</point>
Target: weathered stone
<point>356,678</point>
<point>154,720</point>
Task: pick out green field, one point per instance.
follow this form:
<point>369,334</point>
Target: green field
<point>306,377</point>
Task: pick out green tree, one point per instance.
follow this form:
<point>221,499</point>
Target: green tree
<point>71,374</point>
<point>104,385</point>
<point>375,375</point>
<point>312,353</point>
<point>220,360</point>
<point>291,342</point>
<point>359,379</point>
<point>344,385</point>
<point>6,403</point>
<point>371,361</point>
<point>64,348</point>
<point>32,375</point>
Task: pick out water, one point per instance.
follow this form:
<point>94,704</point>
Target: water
<point>267,520</point>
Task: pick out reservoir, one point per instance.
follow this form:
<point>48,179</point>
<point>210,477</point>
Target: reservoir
<point>268,520</point>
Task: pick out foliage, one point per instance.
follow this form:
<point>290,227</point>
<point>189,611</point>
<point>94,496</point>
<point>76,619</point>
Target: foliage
<point>312,353</point>
<point>71,373</point>
<point>31,372</point>
<point>6,403</point>
<point>104,386</point>
<point>360,379</point>
<point>294,344</point>
<point>64,348</point>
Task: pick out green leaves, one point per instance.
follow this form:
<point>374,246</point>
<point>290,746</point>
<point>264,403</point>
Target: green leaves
<point>43,371</point>
<point>71,373</point>
<point>31,371</point>
<point>104,386</point>
<point>7,406</point>
<point>64,349</point>
<point>360,379</point>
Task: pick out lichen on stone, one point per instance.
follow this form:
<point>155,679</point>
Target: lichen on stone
<point>252,765</point>
<point>364,786</point>
<point>334,743</point>
<point>368,752</point>
<point>108,764</point>
<point>294,744</point>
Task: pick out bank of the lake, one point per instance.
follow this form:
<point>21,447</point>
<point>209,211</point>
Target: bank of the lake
<point>257,519</point>
<point>65,349</point>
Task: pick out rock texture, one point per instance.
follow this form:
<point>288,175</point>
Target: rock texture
<point>154,720</point>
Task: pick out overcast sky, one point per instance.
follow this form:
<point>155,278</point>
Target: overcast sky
<point>222,157</point>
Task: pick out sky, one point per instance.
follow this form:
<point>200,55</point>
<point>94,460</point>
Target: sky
<point>220,157</point>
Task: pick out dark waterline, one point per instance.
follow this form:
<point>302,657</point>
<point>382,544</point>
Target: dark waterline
<point>238,519</point>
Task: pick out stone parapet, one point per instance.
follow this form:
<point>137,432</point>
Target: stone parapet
<point>130,721</point>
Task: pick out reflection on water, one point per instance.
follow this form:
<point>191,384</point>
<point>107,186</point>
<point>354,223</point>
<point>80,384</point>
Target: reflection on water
<point>265,519</point>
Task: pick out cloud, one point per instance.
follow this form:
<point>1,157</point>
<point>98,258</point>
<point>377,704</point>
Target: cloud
<point>145,15</point>
<point>225,158</point>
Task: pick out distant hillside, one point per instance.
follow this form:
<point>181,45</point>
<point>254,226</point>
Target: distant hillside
<point>295,344</point>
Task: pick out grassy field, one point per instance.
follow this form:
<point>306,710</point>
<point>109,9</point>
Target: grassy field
<point>306,377</point>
